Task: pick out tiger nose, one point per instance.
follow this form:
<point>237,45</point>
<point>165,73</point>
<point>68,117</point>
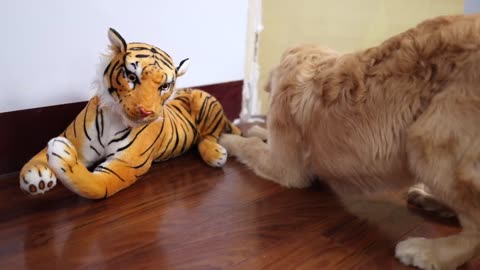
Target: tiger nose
<point>144,113</point>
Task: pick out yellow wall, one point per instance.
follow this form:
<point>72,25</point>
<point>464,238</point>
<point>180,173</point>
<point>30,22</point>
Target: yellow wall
<point>344,25</point>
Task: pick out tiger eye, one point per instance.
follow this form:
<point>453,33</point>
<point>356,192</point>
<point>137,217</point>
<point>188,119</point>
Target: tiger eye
<point>132,77</point>
<point>164,86</point>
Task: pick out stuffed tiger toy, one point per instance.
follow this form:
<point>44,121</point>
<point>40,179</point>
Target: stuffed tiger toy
<point>137,117</point>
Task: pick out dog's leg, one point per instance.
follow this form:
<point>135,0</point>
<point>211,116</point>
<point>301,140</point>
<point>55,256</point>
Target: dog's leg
<point>443,153</point>
<point>445,253</point>
<point>448,252</point>
<point>420,196</point>
<point>256,154</point>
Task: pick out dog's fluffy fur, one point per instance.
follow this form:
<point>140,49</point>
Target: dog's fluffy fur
<point>408,109</point>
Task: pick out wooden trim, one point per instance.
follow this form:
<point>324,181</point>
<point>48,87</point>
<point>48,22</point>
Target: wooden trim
<point>26,132</point>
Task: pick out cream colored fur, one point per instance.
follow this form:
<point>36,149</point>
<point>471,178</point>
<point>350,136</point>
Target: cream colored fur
<point>406,110</point>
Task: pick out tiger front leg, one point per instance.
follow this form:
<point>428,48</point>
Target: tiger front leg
<point>212,153</point>
<point>107,179</point>
<point>36,177</point>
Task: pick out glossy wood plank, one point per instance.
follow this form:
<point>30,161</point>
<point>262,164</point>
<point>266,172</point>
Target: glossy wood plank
<point>186,215</point>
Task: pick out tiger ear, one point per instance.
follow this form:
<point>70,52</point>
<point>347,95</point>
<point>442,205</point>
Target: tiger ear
<point>183,67</point>
<point>117,42</point>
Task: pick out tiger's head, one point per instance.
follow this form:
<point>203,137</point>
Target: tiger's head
<point>136,79</point>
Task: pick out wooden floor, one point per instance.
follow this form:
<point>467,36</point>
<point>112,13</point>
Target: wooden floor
<point>185,215</point>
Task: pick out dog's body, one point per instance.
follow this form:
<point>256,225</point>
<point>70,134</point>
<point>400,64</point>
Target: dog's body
<point>406,110</point>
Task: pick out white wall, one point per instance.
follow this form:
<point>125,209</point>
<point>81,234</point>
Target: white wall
<point>49,49</point>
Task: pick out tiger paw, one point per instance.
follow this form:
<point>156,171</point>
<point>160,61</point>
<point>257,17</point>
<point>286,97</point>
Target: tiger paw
<point>37,179</point>
<point>212,153</point>
<point>61,156</point>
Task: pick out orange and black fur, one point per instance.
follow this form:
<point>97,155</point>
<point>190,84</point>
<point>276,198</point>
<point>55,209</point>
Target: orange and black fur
<point>137,117</point>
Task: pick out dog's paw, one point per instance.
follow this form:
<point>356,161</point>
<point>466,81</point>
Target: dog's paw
<point>419,252</point>
<point>235,144</point>
<point>37,179</point>
<point>61,156</point>
<point>419,196</point>
<point>258,132</point>
<point>229,142</point>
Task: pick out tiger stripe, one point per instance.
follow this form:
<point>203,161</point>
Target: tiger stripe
<point>117,140</point>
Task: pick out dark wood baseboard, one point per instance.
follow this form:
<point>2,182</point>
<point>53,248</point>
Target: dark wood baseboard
<point>26,132</point>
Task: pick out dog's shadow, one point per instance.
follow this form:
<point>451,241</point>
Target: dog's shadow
<point>396,218</point>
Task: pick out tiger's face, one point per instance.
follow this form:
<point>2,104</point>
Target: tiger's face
<point>140,78</point>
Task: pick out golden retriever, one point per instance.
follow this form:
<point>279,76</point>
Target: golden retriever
<point>407,110</point>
